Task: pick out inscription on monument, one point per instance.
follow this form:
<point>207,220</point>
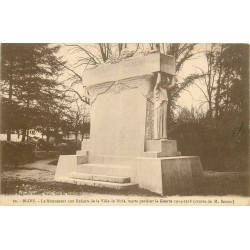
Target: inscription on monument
<point>130,68</point>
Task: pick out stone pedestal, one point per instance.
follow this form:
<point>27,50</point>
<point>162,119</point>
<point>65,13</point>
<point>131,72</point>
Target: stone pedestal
<point>121,146</point>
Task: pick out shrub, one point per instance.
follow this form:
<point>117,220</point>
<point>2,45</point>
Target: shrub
<point>45,146</point>
<point>218,149</point>
<point>16,153</point>
<point>67,148</point>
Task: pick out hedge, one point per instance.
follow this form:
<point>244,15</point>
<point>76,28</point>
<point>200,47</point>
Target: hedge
<point>16,153</point>
<point>218,150</point>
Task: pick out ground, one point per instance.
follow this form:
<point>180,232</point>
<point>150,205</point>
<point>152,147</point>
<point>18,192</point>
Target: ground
<point>38,178</point>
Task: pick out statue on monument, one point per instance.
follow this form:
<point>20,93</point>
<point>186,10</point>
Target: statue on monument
<point>163,83</point>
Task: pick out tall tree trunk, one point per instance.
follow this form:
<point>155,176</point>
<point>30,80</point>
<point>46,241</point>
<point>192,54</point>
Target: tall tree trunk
<point>8,134</point>
<point>210,108</point>
<point>217,99</point>
<point>76,136</point>
<point>27,138</point>
<point>56,136</point>
<point>218,91</point>
<point>28,107</point>
<point>23,134</point>
<point>47,134</point>
<point>10,98</point>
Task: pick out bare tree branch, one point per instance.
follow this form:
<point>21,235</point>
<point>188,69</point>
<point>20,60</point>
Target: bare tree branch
<point>83,98</point>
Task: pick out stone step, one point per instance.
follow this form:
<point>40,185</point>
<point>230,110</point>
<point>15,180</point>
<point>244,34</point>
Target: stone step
<point>155,154</point>
<point>104,169</point>
<point>104,178</point>
<point>82,152</point>
<point>166,146</point>
<point>118,186</point>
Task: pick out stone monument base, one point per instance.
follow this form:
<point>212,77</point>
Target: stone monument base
<point>159,169</point>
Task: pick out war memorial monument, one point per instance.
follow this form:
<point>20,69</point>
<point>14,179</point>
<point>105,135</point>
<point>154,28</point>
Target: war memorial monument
<point>129,146</point>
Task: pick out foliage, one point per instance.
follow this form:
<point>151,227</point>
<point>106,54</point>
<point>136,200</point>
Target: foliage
<point>69,148</point>
<point>16,153</point>
<point>221,147</point>
<point>219,135</point>
<point>224,80</point>
<point>29,76</point>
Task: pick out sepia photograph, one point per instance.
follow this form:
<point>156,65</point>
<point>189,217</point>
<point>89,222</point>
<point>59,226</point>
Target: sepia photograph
<point>124,124</point>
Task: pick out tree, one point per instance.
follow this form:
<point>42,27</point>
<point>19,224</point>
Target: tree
<point>79,119</point>
<point>11,115</point>
<point>91,55</point>
<point>224,78</point>
<point>9,66</point>
<point>220,135</point>
<point>30,73</point>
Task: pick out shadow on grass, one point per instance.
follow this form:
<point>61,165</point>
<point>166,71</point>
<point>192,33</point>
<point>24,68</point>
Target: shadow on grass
<point>54,162</point>
<point>58,188</point>
<point>222,184</point>
<point>215,184</point>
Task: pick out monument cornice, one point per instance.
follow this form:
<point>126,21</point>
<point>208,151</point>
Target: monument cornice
<point>128,68</point>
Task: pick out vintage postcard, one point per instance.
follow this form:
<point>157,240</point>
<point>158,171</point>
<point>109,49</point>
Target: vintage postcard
<point>159,124</point>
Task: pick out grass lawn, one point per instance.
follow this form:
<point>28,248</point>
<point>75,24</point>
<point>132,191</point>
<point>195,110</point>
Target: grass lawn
<point>38,178</point>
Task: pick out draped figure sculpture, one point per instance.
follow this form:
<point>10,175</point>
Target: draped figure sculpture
<point>163,83</point>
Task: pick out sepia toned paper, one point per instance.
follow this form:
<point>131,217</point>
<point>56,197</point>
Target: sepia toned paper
<point>108,95</point>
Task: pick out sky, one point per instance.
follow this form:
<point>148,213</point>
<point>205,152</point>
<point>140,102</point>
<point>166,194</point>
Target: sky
<point>190,67</point>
